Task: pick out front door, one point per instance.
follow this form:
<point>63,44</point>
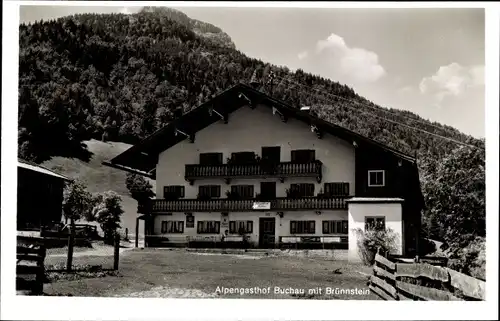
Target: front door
<point>267,229</point>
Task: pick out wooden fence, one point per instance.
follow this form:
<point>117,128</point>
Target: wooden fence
<point>396,278</point>
<point>30,261</point>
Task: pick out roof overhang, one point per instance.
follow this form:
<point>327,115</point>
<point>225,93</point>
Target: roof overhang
<point>142,158</point>
<point>372,200</point>
<point>41,170</point>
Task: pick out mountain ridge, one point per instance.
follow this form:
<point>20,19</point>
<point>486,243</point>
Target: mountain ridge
<point>132,72</point>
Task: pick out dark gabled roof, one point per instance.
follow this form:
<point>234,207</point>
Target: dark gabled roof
<point>21,163</point>
<point>142,157</point>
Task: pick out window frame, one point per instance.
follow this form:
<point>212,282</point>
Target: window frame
<point>182,191</point>
<point>302,187</point>
<point>220,159</point>
<point>234,226</point>
<point>375,171</point>
<point>296,152</point>
<point>333,227</point>
<point>243,187</point>
<point>209,187</point>
<point>343,187</point>
<point>375,218</point>
<point>243,158</point>
<point>306,228</point>
<point>216,227</point>
<point>179,227</point>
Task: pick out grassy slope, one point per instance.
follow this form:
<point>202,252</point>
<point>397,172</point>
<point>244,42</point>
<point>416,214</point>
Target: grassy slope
<point>100,178</point>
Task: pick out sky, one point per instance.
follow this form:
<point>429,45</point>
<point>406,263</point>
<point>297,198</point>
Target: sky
<point>428,61</point>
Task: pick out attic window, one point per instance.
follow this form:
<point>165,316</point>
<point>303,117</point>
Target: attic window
<point>376,178</point>
<point>210,158</point>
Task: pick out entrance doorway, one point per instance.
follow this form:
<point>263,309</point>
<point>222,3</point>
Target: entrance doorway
<point>267,231</point>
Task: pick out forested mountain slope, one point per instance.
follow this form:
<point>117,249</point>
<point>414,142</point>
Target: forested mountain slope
<point>120,77</point>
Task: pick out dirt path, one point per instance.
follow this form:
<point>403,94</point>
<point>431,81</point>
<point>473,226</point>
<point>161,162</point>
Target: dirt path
<point>166,292</point>
<point>97,251</point>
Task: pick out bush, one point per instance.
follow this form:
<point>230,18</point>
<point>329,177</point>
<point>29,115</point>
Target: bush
<point>470,260</point>
<point>371,241</point>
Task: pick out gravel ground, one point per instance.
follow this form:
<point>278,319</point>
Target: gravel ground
<point>182,274</point>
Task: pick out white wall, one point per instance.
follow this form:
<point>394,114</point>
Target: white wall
<point>282,224</point>
<point>357,213</point>
<point>250,130</point>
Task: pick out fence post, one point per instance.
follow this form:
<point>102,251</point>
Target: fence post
<point>117,251</point>
<point>126,233</point>
<point>71,241</point>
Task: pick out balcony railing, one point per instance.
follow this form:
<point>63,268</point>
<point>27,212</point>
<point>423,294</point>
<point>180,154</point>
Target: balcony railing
<point>228,171</point>
<point>247,205</point>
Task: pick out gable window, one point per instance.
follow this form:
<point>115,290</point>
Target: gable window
<point>208,227</point>
<point>209,191</point>
<point>240,227</point>
<point>210,158</point>
<point>242,191</point>
<point>335,227</point>
<point>302,190</point>
<point>303,156</point>
<point>271,154</point>
<point>173,192</point>
<point>302,227</point>
<point>336,189</point>
<point>243,158</point>
<point>172,226</point>
<point>376,178</point>
<point>374,223</point>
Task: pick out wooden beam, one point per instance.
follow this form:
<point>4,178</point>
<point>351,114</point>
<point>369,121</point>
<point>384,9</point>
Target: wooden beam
<point>128,169</point>
<point>384,285</point>
<point>415,270</point>
<point>469,286</point>
<point>425,293</point>
<point>381,293</point>
<point>381,272</point>
<point>382,260</point>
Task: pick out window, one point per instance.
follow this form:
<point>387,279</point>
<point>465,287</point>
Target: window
<point>208,227</point>
<point>210,158</point>
<point>243,191</point>
<point>302,190</point>
<point>267,190</point>
<point>375,223</point>
<point>243,158</point>
<point>336,189</point>
<point>173,192</point>
<point>172,227</point>
<point>335,227</point>
<point>303,156</point>
<point>376,178</point>
<point>238,227</point>
<point>271,154</point>
<point>302,227</point>
<point>209,191</point>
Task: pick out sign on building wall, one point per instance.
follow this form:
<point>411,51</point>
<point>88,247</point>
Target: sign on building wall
<point>261,206</point>
<point>189,220</point>
<point>224,221</point>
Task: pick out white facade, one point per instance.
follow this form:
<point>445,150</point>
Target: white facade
<point>250,130</point>
<point>363,208</point>
<point>282,224</point>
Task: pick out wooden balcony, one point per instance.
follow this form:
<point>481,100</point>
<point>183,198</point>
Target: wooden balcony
<point>246,205</point>
<point>257,170</point>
